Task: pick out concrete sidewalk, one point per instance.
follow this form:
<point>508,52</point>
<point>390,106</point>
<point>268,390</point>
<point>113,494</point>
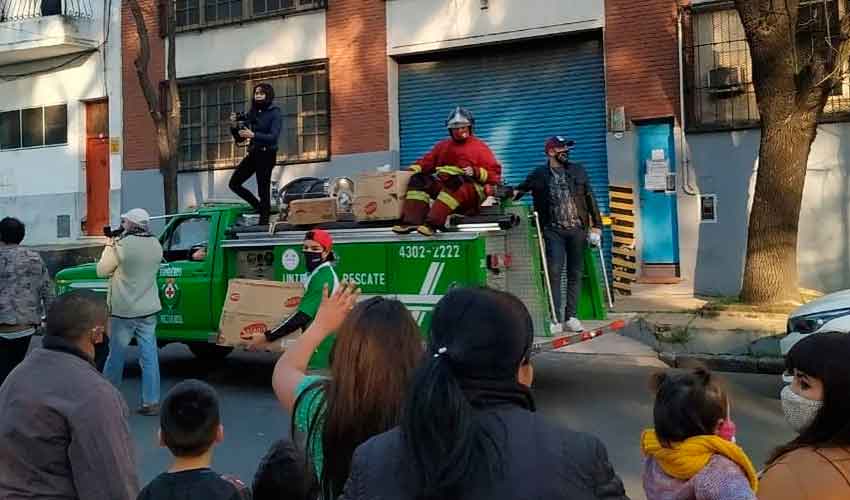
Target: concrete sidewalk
<point>669,322</point>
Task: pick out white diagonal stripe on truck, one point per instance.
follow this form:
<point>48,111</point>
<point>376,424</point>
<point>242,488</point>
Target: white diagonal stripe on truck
<point>437,278</point>
<point>426,299</point>
<point>427,285</point>
<point>435,271</point>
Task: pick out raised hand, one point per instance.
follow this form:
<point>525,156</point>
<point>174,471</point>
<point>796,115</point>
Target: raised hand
<point>335,308</point>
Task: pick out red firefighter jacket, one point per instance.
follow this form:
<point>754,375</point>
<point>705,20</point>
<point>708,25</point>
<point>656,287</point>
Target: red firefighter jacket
<point>449,158</point>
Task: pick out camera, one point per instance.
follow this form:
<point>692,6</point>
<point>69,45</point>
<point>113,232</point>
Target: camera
<point>241,124</point>
<point>112,233</point>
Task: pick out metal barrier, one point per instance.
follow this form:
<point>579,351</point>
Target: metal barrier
<point>19,10</point>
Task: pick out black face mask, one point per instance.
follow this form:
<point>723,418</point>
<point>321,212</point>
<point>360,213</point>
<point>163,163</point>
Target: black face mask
<point>313,260</point>
<point>562,157</point>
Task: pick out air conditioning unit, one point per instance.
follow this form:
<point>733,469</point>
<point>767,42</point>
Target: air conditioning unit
<point>725,80</point>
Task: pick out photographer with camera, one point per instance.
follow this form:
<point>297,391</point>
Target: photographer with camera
<point>259,129</point>
<point>131,261</point>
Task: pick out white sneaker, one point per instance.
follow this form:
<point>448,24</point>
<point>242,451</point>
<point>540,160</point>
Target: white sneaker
<point>556,327</point>
<point>574,325</point>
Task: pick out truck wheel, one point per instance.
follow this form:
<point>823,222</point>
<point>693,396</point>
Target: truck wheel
<point>210,352</point>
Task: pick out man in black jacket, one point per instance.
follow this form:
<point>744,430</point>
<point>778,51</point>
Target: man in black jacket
<point>567,211</point>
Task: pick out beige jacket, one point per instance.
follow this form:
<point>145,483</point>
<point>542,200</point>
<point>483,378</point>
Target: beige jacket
<point>132,264</point>
<point>808,474</point>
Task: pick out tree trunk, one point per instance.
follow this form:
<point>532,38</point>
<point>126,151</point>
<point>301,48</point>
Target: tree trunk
<point>168,169</point>
<point>166,118</point>
<point>172,117</point>
<point>770,275</point>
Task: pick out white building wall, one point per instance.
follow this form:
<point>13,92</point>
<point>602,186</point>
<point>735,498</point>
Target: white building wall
<point>725,164</point>
<point>426,25</point>
<point>39,184</point>
<point>255,44</point>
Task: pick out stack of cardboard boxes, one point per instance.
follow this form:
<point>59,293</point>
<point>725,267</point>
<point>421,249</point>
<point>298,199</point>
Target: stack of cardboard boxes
<point>312,211</point>
<point>255,306</point>
<point>379,196</point>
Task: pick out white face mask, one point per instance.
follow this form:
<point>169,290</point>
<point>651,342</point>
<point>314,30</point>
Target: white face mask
<point>799,411</point>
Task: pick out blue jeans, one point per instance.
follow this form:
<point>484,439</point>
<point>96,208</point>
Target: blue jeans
<point>565,248</point>
<point>121,331</point>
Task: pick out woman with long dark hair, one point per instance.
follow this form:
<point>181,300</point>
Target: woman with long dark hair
<point>262,129</point>
<point>373,358</point>
<point>469,430</point>
<point>815,464</point>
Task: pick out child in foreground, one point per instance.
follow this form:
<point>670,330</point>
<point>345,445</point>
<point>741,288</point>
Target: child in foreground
<point>190,426</point>
<point>691,453</point>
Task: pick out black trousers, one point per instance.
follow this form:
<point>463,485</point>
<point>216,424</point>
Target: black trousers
<point>12,352</point>
<point>260,161</point>
<point>565,246</point>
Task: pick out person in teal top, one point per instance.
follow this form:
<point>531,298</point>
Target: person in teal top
<point>376,350</point>
<point>318,258</point>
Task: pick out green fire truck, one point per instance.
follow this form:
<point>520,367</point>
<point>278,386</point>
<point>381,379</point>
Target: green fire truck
<point>206,247</point>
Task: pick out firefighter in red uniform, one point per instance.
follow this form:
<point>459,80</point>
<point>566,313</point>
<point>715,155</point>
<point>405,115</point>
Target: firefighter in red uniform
<point>454,174</point>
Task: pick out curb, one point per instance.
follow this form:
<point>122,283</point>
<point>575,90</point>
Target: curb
<point>726,363</point>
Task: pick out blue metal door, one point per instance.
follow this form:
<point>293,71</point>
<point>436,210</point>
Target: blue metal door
<point>656,176</point>
<point>520,94</point>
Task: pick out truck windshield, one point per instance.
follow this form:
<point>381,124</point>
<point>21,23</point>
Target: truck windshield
<point>187,240</point>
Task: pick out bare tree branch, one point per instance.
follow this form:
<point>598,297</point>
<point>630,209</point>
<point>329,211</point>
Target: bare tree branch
<point>816,80</point>
<point>841,57</point>
<point>172,55</point>
<point>748,10</point>
<point>166,119</point>
<point>143,60</point>
<point>173,90</point>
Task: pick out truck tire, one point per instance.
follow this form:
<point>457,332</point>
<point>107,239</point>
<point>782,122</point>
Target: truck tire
<point>210,352</point>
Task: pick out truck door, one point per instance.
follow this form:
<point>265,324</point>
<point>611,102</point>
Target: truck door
<point>185,279</point>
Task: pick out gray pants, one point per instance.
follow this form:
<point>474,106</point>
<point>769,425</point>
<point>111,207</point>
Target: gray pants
<point>565,247</point>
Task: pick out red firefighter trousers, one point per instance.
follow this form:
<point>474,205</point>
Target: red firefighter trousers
<point>465,198</point>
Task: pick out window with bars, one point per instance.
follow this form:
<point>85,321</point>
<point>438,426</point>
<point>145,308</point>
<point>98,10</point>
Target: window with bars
<point>719,78</point>
<point>194,14</point>
<point>301,95</point>
<point>718,73</point>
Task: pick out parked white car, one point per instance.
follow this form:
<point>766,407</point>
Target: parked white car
<point>830,313</point>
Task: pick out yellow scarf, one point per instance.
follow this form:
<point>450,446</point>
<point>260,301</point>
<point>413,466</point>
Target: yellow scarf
<point>684,460</point>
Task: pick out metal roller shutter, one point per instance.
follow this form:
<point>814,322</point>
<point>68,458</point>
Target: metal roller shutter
<point>520,94</point>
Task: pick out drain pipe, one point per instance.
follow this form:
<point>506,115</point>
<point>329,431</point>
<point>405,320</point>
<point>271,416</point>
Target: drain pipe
<point>685,161</point>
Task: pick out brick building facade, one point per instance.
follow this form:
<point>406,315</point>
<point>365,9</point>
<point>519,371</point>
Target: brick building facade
<point>369,82</point>
<point>357,56</point>
<point>642,67</point>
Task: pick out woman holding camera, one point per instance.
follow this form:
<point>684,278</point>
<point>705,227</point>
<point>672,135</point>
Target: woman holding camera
<point>263,124</point>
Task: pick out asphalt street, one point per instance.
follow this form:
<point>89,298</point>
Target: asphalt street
<point>601,387</point>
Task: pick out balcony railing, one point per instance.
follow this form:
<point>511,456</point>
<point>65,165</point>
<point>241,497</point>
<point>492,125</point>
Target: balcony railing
<point>19,10</point>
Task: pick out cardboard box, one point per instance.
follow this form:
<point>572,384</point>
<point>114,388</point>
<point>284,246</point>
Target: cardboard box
<point>380,196</point>
<point>254,306</point>
<point>312,211</point>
